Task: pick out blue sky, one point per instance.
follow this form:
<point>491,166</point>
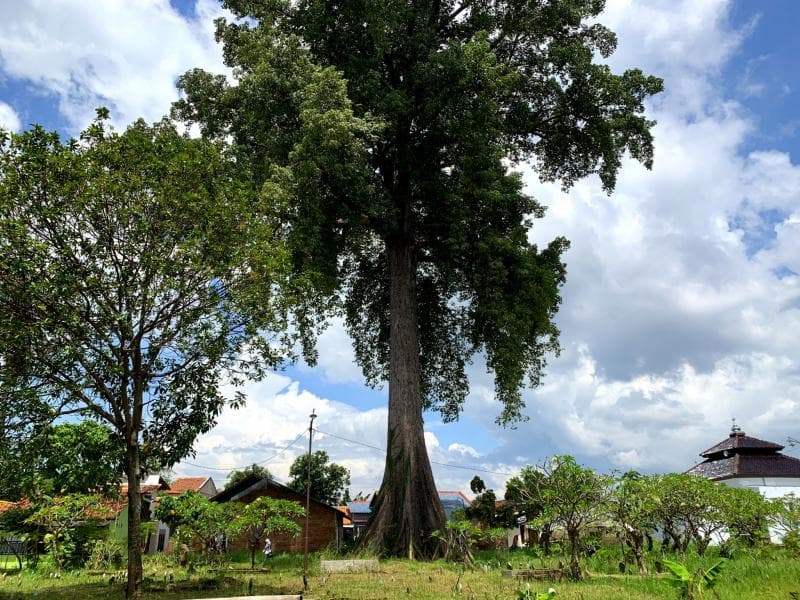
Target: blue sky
<point>682,306</point>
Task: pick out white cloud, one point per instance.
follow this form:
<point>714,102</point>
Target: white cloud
<point>9,119</point>
<point>682,305</point>
<point>126,56</point>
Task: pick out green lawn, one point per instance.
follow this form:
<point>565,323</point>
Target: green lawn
<point>770,575</point>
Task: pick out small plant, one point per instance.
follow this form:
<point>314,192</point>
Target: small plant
<point>692,586</point>
<point>526,594</point>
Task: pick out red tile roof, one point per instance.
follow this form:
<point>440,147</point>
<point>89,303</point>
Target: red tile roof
<point>184,484</point>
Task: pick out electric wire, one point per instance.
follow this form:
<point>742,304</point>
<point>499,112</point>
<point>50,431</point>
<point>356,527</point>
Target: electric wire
<point>262,462</point>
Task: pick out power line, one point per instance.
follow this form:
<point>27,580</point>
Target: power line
<point>263,462</point>
<point>433,462</point>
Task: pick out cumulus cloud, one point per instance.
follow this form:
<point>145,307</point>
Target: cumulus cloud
<point>126,56</point>
<point>9,119</point>
<point>682,304</point>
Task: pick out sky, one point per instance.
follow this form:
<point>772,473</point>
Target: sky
<point>682,303</point>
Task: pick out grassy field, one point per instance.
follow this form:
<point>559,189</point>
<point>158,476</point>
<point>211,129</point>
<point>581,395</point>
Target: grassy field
<point>769,575</point>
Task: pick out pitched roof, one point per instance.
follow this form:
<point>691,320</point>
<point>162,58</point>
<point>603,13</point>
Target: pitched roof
<point>737,440</point>
<point>253,483</point>
<point>184,484</point>
<point>748,465</point>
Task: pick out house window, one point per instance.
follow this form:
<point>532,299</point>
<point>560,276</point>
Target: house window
<point>162,538</point>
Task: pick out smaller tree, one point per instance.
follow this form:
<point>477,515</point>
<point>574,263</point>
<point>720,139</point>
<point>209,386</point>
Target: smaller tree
<point>633,507</point>
<point>195,518</point>
<point>61,515</point>
<point>746,514</point>
<point>522,498</point>
<point>329,481</point>
<point>264,517</point>
<point>236,476</point>
<point>571,496</point>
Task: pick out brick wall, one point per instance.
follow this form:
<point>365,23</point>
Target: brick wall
<point>325,529</point>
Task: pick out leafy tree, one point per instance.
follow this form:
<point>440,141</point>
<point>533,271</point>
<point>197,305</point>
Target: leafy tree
<point>397,197</point>
<point>484,507</point>
<point>690,509</point>
<point>78,458</point>
<point>61,515</point>
<point>195,517</point>
<point>746,514</point>
<point>329,481</point>
<point>236,476</point>
<point>633,507</point>
<point>570,495</point>
<point>264,517</point>
<point>523,499</point>
<point>138,274</point>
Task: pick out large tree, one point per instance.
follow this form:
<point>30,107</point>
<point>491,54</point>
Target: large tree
<point>236,475</point>
<point>137,277</point>
<point>394,173</point>
<point>329,481</point>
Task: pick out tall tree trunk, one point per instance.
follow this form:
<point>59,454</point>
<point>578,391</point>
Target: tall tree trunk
<point>407,508</point>
<point>134,587</point>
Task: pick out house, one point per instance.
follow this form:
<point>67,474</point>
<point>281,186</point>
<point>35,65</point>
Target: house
<point>359,512</point>
<point>202,485</point>
<point>744,461</point>
<point>326,523</point>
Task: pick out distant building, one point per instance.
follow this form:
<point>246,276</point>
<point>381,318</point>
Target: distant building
<point>453,501</point>
<point>325,522</point>
<point>748,462</point>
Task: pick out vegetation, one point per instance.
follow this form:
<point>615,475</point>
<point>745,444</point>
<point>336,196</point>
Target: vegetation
<point>235,477</point>
<point>388,131</point>
<point>329,481</point>
<point>776,576</point>
<point>264,517</point>
<point>138,273</point>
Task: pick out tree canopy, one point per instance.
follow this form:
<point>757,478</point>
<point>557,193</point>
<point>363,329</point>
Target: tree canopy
<point>138,274</point>
<point>329,481</point>
<point>389,131</point>
<point>236,476</point>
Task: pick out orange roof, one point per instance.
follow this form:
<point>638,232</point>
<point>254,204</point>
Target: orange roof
<point>184,484</point>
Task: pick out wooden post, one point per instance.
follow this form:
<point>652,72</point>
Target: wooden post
<point>312,416</point>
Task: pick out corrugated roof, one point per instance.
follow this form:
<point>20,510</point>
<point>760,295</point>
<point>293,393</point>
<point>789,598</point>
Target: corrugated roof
<point>359,507</point>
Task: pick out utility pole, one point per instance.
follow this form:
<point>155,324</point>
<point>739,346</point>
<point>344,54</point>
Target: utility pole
<point>312,416</point>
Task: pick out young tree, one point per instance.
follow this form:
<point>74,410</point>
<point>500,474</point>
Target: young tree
<point>264,517</point>
<point>138,274</point>
<point>59,515</point>
<point>329,481</point>
<point>196,518</point>
<point>570,495</point>
<point>523,498</point>
<point>398,196</point>
<point>633,505</point>
<point>235,477</point>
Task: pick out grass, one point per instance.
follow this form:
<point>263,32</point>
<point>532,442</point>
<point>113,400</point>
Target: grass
<point>767,574</point>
